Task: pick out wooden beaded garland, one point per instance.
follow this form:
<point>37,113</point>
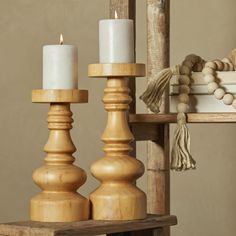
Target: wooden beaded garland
<point>212,86</point>
<point>209,78</point>
<point>219,93</point>
<point>228,99</point>
<point>184,79</point>
<point>184,89</point>
<point>183,97</point>
<point>182,107</point>
<point>209,72</point>
<point>181,158</point>
<point>211,65</point>
<point>219,65</point>
<point>185,70</point>
<point>190,63</point>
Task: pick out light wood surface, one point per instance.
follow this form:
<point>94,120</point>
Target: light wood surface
<point>144,131</point>
<point>116,70</point>
<point>158,191</point>
<point>59,179</point>
<point>83,228</point>
<point>191,118</point>
<point>158,59</point>
<point>59,95</point>
<point>117,198</point>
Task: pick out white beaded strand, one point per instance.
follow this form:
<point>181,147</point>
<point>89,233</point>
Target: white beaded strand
<point>181,158</point>
<point>209,72</point>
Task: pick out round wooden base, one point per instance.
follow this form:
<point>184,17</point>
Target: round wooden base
<point>59,207</point>
<point>117,198</point>
<point>118,202</point>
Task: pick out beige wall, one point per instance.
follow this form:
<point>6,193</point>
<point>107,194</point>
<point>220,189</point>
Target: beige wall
<point>204,200</point>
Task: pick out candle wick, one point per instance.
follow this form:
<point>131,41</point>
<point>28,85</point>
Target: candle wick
<point>61,39</point>
<point>116,15</point>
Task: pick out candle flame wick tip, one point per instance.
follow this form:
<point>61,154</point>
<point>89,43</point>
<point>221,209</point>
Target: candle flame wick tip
<point>116,15</point>
<point>61,39</point>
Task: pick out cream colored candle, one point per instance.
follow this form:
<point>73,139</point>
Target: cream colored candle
<point>60,66</point>
<point>116,41</point>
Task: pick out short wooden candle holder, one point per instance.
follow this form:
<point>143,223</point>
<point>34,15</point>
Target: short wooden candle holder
<point>117,198</point>
<point>59,178</point>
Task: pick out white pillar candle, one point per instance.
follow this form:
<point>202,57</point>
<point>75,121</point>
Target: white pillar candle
<point>60,67</point>
<point>116,41</point>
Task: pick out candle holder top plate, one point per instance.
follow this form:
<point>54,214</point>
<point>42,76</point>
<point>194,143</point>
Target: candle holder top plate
<point>117,70</point>
<point>59,96</point>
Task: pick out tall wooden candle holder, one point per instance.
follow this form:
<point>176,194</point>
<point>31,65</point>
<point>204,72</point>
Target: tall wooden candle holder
<point>59,178</point>
<point>117,198</point>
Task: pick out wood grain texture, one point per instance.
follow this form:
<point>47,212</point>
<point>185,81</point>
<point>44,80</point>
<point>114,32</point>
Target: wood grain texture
<point>191,118</point>
<point>116,70</point>
<point>59,178</point>
<point>84,228</point>
<point>158,153</point>
<point>117,198</point>
<point>59,95</point>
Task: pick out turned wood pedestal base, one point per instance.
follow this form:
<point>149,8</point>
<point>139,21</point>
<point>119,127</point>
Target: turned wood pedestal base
<point>117,198</point>
<point>59,179</point>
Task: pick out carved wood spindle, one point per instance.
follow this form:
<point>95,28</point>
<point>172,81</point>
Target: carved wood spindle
<point>59,178</point>
<point>117,198</point>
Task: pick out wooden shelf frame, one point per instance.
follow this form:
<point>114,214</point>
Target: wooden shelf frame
<point>227,117</point>
<point>85,228</point>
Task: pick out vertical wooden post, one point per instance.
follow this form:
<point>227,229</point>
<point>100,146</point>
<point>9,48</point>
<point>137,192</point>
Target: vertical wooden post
<point>158,193</point>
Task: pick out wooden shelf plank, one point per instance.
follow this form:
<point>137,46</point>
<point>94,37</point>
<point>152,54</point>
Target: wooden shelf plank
<point>82,228</point>
<point>191,118</point>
